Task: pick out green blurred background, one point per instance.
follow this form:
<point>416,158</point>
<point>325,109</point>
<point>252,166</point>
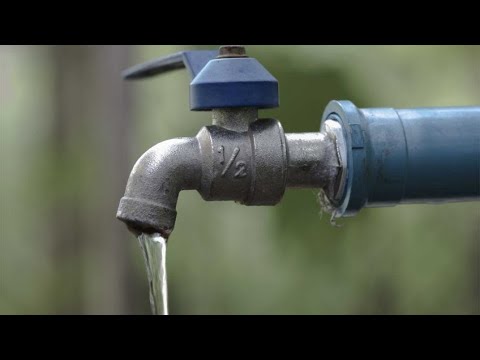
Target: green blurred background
<point>71,130</point>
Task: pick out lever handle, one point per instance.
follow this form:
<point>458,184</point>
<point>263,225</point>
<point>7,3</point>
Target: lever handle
<point>225,78</point>
<point>194,61</point>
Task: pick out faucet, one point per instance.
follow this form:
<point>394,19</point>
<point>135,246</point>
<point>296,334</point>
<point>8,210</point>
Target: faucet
<point>359,158</point>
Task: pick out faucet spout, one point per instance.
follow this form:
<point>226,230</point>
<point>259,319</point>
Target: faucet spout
<point>149,203</point>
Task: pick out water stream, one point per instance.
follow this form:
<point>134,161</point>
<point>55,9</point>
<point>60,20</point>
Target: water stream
<point>154,248</point>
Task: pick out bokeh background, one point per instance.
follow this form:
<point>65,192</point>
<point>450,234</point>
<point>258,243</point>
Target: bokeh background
<point>71,130</point>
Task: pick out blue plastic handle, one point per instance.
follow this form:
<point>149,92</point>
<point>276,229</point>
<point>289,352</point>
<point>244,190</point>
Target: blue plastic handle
<point>216,82</point>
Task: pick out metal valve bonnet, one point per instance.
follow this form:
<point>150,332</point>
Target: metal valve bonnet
<point>227,78</point>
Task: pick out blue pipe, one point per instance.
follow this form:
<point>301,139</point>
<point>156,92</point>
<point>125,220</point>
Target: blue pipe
<point>406,156</point>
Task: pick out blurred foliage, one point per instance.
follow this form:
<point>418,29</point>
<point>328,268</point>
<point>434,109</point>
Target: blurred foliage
<point>223,258</point>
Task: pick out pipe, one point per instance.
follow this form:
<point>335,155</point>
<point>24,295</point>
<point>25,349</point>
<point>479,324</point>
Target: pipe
<point>312,160</point>
<point>156,179</point>
<point>404,156</point>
